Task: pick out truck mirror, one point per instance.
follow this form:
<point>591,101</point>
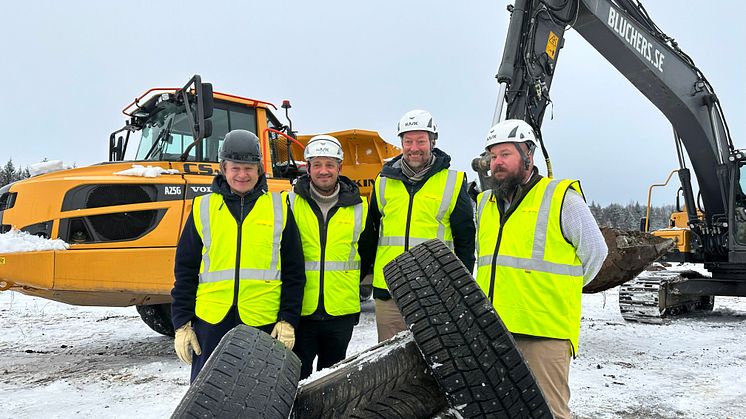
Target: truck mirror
<point>208,127</point>
<point>207,101</point>
<point>119,148</point>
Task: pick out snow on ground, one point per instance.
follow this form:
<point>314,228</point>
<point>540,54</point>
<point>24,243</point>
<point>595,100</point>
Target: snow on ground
<point>61,361</point>
<point>20,241</point>
<point>149,171</point>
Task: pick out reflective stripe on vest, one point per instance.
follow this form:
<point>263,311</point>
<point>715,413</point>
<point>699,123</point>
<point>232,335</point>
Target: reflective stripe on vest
<point>430,213</point>
<point>537,275</point>
<point>536,262</point>
<point>341,266</point>
<point>257,280</point>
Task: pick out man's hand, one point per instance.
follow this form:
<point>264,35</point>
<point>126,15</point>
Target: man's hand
<point>285,333</point>
<point>185,343</point>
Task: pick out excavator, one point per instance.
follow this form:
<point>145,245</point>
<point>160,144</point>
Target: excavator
<point>710,227</point>
<point>123,230</point>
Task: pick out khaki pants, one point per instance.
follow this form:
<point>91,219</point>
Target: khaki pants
<point>388,319</point>
<point>549,361</point>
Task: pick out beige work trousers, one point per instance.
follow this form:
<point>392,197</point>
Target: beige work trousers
<point>389,320</point>
<point>549,361</point>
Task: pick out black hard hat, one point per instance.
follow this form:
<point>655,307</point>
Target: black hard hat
<point>241,146</point>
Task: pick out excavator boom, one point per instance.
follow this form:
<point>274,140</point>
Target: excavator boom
<point>623,33</point>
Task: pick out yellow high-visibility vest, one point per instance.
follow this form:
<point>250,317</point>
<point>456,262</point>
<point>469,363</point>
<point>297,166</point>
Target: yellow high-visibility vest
<point>408,221</point>
<point>527,268</point>
<point>257,280</point>
<point>336,265</point>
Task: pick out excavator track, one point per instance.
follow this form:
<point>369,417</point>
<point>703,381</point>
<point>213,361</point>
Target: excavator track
<point>648,298</point>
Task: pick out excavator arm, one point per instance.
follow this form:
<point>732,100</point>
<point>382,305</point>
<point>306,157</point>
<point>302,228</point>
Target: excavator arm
<point>623,33</point>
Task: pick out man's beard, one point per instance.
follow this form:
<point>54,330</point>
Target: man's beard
<point>506,187</point>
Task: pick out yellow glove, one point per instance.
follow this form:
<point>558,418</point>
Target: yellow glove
<point>185,342</point>
<point>285,333</point>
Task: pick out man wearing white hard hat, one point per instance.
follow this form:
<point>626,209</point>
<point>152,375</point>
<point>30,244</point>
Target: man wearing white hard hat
<point>416,198</point>
<point>330,215</point>
<point>537,246</point>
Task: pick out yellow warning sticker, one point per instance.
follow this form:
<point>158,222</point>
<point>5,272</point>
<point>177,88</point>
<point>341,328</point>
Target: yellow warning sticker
<point>552,44</point>
<point>2,261</point>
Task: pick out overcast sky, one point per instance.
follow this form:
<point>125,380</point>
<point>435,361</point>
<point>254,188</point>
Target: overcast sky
<point>69,68</point>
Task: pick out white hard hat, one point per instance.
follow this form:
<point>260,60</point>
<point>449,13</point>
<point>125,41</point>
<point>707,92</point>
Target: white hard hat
<point>323,146</point>
<point>511,131</point>
<point>416,120</point>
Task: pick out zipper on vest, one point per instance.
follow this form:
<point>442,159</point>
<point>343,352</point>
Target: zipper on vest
<point>494,260</point>
<point>323,230</point>
<point>237,280</point>
<point>409,220</point>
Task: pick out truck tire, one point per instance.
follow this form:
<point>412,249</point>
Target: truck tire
<point>250,375</point>
<point>472,355</point>
<point>158,318</point>
<point>390,380</point>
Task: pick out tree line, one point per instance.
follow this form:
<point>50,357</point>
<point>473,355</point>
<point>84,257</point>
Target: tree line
<point>624,217</point>
<point>10,173</point>
<point>627,217</point>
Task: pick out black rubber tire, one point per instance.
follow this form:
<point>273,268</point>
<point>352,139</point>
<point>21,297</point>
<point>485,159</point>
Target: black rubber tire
<point>249,375</point>
<point>472,355</point>
<point>158,318</point>
<point>390,380</point>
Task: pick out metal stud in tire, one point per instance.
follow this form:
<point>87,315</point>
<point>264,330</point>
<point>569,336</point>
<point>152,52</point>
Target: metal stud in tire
<point>249,375</point>
<point>472,355</point>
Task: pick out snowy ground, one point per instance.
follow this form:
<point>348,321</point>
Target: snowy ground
<point>65,361</point>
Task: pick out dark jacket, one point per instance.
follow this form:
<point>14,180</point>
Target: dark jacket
<point>349,195</point>
<point>462,217</point>
<point>189,258</point>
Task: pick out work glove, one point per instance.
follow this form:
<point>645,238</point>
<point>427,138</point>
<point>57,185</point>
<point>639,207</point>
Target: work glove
<point>185,342</point>
<point>285,333</point>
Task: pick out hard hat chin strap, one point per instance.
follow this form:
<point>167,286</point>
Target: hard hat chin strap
<point>524,156</point>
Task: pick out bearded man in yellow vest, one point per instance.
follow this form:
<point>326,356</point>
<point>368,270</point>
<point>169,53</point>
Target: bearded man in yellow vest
<point>239,259</point>
<point>330,215</point>
<point>416,198</point>
<point>537,245</point>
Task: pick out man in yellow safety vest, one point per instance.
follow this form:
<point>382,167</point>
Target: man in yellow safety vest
<point>330,215</point>
<point>416,198</point>
<point>537,245</point>
<point>239,259</point>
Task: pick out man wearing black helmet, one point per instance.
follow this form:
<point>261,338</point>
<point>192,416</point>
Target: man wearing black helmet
<point>239,259</point>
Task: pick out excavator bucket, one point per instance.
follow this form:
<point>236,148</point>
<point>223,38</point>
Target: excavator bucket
<point>630,252</point>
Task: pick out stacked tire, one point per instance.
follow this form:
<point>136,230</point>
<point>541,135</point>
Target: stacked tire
<point>249,375</point>
<point>459,353</point>
<point>472,356</point>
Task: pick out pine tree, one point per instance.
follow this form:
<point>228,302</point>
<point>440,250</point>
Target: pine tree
<point>8,174</point>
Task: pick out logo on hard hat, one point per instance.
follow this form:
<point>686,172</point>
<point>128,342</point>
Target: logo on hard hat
<point>410,123</point>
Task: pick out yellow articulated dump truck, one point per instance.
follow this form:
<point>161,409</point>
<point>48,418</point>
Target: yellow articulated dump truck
<point>123,230</point>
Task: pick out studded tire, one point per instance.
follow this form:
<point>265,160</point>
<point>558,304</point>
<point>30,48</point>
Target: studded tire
<point>249,375</point>
<point>390,380</point>
<point>472,355</point>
